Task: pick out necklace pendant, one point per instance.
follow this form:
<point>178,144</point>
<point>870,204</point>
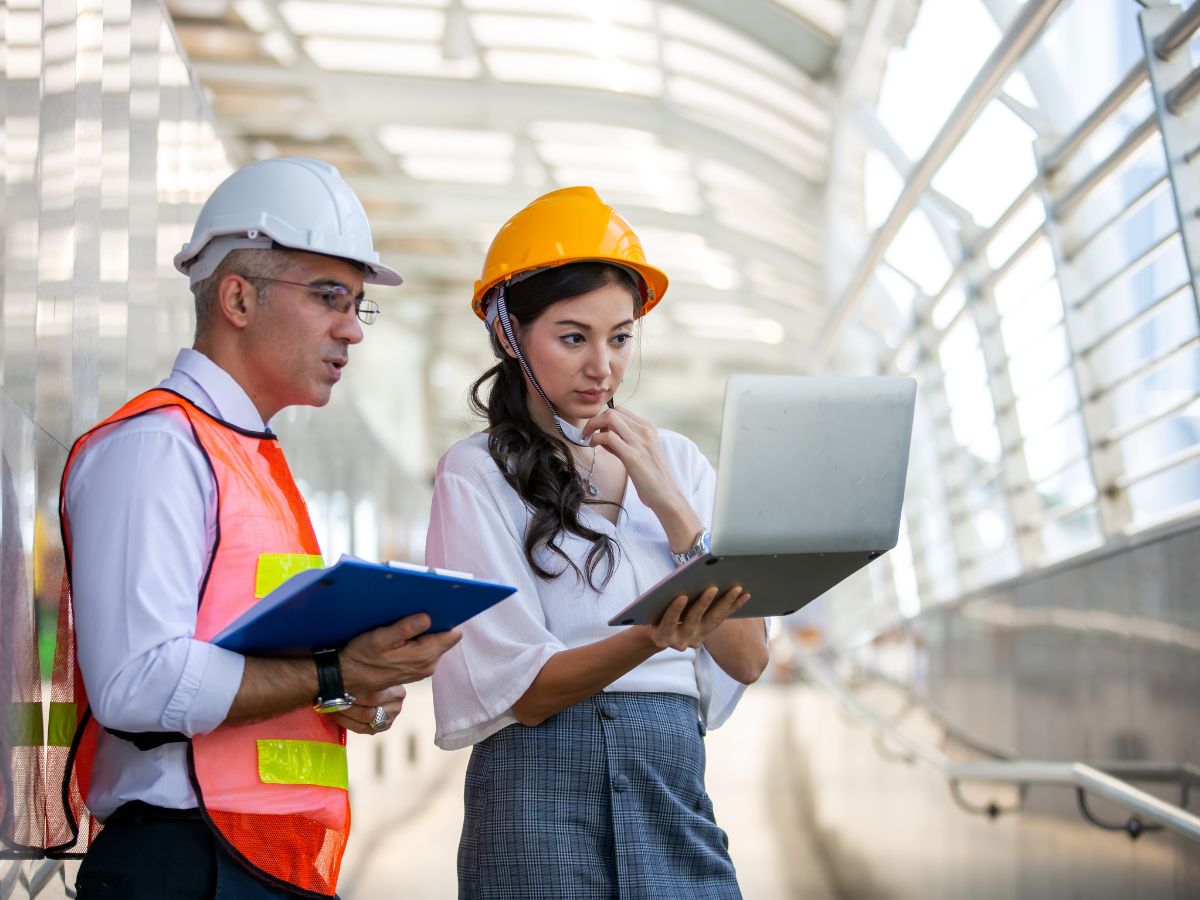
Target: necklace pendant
<point>592,489</point>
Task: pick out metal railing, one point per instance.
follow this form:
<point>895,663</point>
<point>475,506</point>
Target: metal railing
<point>33,876</point>
<point>1147,812</point>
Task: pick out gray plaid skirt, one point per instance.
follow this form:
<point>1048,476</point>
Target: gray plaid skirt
<point>604,801</point>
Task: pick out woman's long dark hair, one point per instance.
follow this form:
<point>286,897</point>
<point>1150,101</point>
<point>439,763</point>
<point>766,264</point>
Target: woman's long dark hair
<point>539,466</point>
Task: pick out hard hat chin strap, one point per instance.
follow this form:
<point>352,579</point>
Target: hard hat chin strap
<point>499,309</point>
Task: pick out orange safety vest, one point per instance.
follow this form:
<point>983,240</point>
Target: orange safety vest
<point>274,791</point>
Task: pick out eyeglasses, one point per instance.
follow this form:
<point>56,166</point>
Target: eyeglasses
<point>336,297</point>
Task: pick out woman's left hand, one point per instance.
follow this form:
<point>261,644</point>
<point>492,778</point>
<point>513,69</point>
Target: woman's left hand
<point>686,625</point>
<point>634,441</point>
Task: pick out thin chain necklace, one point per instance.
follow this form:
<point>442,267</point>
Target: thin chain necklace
<point>587,479</point>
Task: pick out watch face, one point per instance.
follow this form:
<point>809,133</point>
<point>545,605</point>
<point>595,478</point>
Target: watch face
<point>705,541</point>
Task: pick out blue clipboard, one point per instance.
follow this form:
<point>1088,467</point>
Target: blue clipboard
<point>322,608</point>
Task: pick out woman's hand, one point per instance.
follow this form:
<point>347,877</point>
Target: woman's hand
<point>685,624</point>
<point>634,441</point>
<point>361,716</point>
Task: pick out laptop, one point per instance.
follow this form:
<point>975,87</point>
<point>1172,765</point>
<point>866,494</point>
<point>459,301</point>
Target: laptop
<point>810,483</point>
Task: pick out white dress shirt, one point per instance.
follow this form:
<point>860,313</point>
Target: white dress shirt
<point>141,504</point>
<point>477,525</point>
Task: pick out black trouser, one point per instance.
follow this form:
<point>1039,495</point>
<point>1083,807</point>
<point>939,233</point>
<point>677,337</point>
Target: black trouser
<point>149,853</point>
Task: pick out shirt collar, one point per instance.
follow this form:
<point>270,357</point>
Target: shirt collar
<point>214,390</point>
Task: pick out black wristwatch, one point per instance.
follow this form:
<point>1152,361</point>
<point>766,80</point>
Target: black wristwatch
<point>331,693</point>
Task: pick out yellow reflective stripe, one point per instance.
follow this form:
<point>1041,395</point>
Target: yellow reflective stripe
<point>63,720</point>
<point>23,724</point>
<point>303,762</point>
<point>276,568</point>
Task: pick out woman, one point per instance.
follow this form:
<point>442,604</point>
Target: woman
<point>587,775</point>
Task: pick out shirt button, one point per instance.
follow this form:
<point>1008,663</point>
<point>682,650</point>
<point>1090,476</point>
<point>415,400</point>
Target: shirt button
<point>608,710</point>
<point>620,784</point>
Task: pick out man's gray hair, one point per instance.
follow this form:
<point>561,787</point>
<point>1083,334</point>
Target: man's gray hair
<point>247,262</point>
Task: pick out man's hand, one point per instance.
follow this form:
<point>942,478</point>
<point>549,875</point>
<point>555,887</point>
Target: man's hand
<point>375,661</point>
<point>361,716</point>
<point>400,653</point>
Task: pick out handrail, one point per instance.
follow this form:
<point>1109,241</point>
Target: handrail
<point>1147,810</point>
<point>35,880</point>
<point>1179,33</point>
<point>1133,79</point>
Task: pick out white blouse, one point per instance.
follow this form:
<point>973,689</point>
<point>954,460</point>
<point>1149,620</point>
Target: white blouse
<point>478,524</point>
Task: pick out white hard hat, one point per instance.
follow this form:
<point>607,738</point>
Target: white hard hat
<point>292,201</point>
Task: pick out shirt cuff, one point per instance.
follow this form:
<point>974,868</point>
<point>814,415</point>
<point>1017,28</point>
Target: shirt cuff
<point>202,698</point>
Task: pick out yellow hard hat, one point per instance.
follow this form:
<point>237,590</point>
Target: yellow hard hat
<point>565,226</point>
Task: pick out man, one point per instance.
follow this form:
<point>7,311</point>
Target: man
<point>216,774</point>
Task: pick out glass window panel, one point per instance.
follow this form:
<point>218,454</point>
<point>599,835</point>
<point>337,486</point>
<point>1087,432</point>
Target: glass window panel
<point>1039,409</point>
<point>1018,88</point>
<point>1115,131</point>
<point>999,144</point>
<point>1032,317</point>
<point>991,526</point>
<point>964,380</point>
<point>1167,384</point>
<point>934,539</point>
<point>1173,434</point>
<point>1139,230</point>
<point>1050,451</point>
<point>1145,275</point>
<point>1114,195</point>
<point>904,574</point>
<point>1084,72</point>
<point>881,186</point>
<point>1157,497</point>
<point>1171,324</point>
<point>899,291</point>
<point>946,47</point>
<point>1038,361</point>
<point>1071,535</point>
<point>1070,487</point>
<point>919,254</point>
<point>975,429</point>
<point>908,355</point>
<point>1024,222</point>
<point>1136,290</point>
<point>1025,276</point>
<point>960,354</point>
<point>997,558</point>
<point>953,300</point>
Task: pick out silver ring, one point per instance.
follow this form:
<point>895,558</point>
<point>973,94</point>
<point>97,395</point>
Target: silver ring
<point>378,720</point>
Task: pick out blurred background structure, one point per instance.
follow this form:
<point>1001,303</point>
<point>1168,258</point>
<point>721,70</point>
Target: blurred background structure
<point>999,198</point>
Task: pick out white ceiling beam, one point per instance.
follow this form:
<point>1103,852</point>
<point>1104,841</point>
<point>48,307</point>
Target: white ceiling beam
<point>779,29</point>
<point>351,100</point>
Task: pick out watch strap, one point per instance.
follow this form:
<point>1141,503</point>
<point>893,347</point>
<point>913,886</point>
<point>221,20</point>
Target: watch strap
<point>699,547</point>
<point>331,692</point>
